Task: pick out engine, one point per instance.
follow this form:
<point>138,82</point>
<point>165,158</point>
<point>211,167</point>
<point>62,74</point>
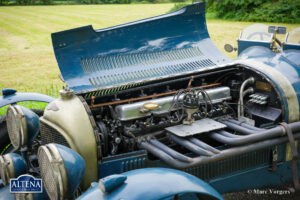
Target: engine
<point>192,106</point>
<point>127,122</point>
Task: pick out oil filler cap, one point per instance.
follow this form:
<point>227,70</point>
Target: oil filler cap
<point>149,107</point>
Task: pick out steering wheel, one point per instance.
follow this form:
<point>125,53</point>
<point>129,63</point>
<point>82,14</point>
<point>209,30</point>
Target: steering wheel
<point>261,34</point>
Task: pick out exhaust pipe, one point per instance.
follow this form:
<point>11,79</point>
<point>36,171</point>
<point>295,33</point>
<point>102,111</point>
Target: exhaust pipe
<point>243,124</point>
<point>170,151</point>
<point>224,154</point>
<point>258,136</point>
<point>190,146</point>
<point>203,145</point>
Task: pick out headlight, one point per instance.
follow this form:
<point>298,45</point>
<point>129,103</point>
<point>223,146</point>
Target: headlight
<point>22,125</point>
<point>24,196</point>
<point>31,196</point>
<point>61,169</point>
<point>12,165</point>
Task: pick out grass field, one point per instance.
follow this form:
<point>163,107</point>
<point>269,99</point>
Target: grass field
<point>27,62</point>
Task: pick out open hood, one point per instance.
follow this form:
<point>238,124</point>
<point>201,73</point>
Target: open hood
<point>134,53</point>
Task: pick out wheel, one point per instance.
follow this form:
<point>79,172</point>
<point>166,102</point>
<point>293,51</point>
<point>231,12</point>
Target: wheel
<point>5,145</point>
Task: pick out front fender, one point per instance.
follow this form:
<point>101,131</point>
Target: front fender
<point>11,96</point>
<point>153,183</point>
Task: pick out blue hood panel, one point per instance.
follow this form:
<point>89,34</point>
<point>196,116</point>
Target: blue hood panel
<point>127,55</point>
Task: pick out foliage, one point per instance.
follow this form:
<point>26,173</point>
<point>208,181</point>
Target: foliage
<point>287,11</point>
<point>3,2</point>
<point>24,2</point>
<point>178,6</point>
<point>46,2</point>
<point>115,1</point>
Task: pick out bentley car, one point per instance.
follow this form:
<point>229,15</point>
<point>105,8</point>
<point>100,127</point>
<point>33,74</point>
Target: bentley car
<point>152,109</point>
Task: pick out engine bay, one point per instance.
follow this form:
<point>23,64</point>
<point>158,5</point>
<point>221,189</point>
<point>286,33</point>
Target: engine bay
<point>190,106</point>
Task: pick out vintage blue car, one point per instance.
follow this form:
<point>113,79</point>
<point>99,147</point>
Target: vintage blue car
<point>153,110</point>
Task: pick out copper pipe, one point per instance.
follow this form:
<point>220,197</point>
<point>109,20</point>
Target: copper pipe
<point>92,101</point>
<point>146,97</point>
<point>190,82</point>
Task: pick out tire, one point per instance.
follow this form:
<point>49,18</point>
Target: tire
<point>5,145</point>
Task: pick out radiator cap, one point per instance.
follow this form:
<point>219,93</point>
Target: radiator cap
<point>66,93</point>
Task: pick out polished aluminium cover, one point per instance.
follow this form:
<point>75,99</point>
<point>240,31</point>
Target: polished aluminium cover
<point>134,110</point>
<point>200,126</point>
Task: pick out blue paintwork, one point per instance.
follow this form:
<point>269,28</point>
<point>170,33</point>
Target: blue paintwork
<point>258,177</point>
<point>112,167</point>
<point>182,29</point>
<point>19,164</point>
<point>287,46</point>
<point>75,167</point>
<point>233,182</point>
<point>255,178</point>
<point>292,56</point>
<point>257,52</point>
<point>244,44</point>
<point>33,124</point>
<point>285,63</point>
<point>8,91</point>
<point>113,181</point>
<point>153,183</point>
<point>5,194</point>
<point>41,196</point>
<point>26,96</point>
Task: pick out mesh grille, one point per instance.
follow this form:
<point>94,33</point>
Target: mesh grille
<point>12,128</point>
<point>3,170</point>
<point>47,175</point>
<point>23,196</point>
<point>231,165</point>
<point>50,135</point>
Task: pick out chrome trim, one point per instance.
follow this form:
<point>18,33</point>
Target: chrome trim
<point>57,167</point>
<point>24,196</point>
<point>6,169</point>
<point>20,120</point>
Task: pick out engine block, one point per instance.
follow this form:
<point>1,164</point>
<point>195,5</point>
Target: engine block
<point>134,111</point>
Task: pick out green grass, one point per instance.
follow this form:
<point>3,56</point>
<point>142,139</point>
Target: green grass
<point>27,62</point>
<point>226,31</point>
<point>27,104</point>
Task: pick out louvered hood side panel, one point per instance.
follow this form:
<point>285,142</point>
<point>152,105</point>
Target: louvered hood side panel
<point>127,55</point>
